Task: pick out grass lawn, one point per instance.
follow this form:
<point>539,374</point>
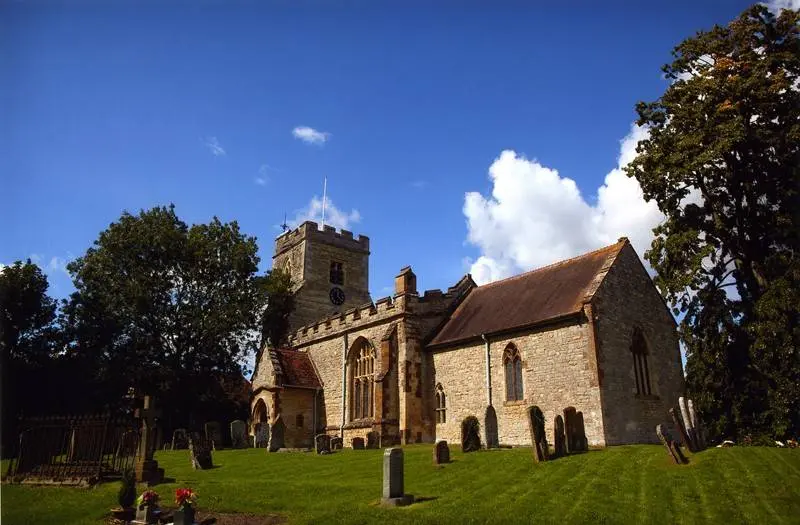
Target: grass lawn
<point>628,484</point>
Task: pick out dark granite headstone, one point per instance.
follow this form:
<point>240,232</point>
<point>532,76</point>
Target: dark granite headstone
<point>490,427</point>
<point>336,444</point>
<point>441,452</point>
<point>581,442</point>
<point>470,434</point>
<point>372,439</point>
<point>214,434</point>
<point>180,439</point>
<point>570,432</point>
<point>277,431</point>
<point>239,434</point>
<point>200,452</point>
<point>558,437</point>
<point>393,491</point>
<point>538,438</point>
<point>357,443</point>
<point>322,444</point>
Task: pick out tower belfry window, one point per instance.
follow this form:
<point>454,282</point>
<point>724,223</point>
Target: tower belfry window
<point>337,273</point>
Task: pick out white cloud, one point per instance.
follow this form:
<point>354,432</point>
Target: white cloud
<point>311,135</point>
<point>333,215</point>
<point>214,146</point>
<point>776,5</point>
<point>57,264</point>
<point>261,181</point>
<point>535,217</point>
<point>419,184</point>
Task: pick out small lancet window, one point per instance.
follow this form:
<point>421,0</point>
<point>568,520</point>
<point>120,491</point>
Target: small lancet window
<point>640,369</point>
<point>441,405</point>
<point>513,371</point>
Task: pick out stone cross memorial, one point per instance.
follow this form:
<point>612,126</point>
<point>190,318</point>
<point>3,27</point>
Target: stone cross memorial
<point>146,467</point>
<point>393,491</point>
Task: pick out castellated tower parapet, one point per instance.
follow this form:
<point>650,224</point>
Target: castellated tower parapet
<point>310,231</point>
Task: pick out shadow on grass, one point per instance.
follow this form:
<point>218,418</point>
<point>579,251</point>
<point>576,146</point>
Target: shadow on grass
<point>423,499</point>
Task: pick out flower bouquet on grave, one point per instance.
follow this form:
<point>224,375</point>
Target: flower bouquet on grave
<point>147,507</point>
<point>185,498</point>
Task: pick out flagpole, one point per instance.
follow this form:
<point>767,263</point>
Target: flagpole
<point>324,199</point>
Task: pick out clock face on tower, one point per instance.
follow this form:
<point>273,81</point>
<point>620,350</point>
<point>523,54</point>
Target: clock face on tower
<point>337,296</point>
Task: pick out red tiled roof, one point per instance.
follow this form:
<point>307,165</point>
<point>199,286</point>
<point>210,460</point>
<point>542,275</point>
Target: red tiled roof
<point>297,368</point>
<point>527,299</point>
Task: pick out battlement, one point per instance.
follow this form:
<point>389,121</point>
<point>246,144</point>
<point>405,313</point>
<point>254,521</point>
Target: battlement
<point>310,231</point>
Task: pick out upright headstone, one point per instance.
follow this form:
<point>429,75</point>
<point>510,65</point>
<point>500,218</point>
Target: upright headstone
<point>262,435</point>
<point>357,443</point>
<point>490,428</point>
<point>393,491</point>
<point>672,446</point>
<point>214,434</point>
<point>146,467</point>
<point>277,431</point>
<point>372,439</point>
<point>676,420</point>
<point>200,452</point>
<point>558,437</point>
<point>538,437</point>
<point>687,423</point>
<point>238,434</point>
<point>470,434</point>
<point>698,429</point>
<point>569,429</point>
<point>441,452</point>
<point>180,439</point>
<point>581,442</point>
<point>336,443</point>
<point>322,444</point>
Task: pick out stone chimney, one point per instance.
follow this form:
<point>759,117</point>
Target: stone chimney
<point>405,282</point>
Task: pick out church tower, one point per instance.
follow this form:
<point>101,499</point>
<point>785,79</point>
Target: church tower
<point>329,269</point>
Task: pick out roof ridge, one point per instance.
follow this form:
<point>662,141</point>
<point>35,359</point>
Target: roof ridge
<point>620,243</point>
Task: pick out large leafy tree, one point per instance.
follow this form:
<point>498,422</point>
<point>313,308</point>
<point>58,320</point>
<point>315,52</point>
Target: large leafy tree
<point>167,309</point>
<point>721,161</point>
<point>279,295</point>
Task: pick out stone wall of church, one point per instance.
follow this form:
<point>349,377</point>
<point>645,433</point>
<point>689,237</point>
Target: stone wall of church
<point>556,374</point>
<point>297,411</point>
<point>626,299</point>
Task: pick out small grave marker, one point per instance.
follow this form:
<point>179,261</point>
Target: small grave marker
<point>180,439</point>
<point>200,452</point>
<point>441,452</point>
<point>357,443</point>
<point>322,444</point>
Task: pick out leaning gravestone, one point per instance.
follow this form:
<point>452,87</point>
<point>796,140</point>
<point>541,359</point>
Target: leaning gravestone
<point>569,429</point>
<point>687,423</point>
<point>441,452</point>
<point>200,452</point>
<point>393,491</point>
<point>581,442</point>
<point>277,431</point>
<point>676,420</point>
<point>538,437</point>
<point>336,444</point>
<point>372,440</point>
<point>357,443</point>
<point>470,434</point>
<point>214,434</point>
<point>672,446</point>
<point>322,444</point>
<point>180,439</point>
<point>698,429</point>
<point>239,434</point>
<point>262,435</point>
<point>558,437</point>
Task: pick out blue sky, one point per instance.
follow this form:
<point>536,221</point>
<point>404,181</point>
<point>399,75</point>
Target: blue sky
<point>106,107</point>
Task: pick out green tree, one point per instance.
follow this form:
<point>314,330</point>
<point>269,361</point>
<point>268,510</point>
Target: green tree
<point>279,296</point>
<point>721,161</point>
<point>167,309</point>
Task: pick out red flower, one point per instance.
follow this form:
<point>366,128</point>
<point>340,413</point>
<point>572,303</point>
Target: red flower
<point>185,497</point>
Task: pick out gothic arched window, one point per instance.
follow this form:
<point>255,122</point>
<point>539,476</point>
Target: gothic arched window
<point>362,382</point>
<point>513,367</point>
<point>441,405</point>
<point>640,370</point>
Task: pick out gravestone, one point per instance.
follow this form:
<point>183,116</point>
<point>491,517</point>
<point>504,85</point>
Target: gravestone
<point>372,440</point>
<point>277,431</point>
<point>490,427</point>
<point>581,442</point>
<point>470,434</point>
<point>569,429</point>
<point>441,452</point>
<point>676,420</point>
<point>698,429</point>
<point>687,424</point>
<point>336,444</point>
<point>200,452</point>
<point>393,492</point>
<point>146,467</point>
<point>239,434</point>
<point>180,439</point>
<point>357,443</point>
<point>558,437</point>
<point>672,446</point>
<point>322,444</point>
<point>538,438</point>
<point>262,435</point>
<point>214,434</point>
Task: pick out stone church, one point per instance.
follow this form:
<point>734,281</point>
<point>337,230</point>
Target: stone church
<point>591,332</point>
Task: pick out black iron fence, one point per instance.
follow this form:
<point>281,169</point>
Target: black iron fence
<point>74,449</point>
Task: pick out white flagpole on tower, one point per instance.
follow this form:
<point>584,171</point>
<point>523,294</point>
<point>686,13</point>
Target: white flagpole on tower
<point>324,199</point>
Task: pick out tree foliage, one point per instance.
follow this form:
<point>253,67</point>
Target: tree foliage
<point>279,295</point>
<point>166,309</point>
<point>721,161</point>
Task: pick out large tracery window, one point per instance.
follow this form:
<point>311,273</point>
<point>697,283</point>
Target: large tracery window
<point>640,370</point>
<point>362,384</point>
<point>441,405</point>
<point>513,367</point>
